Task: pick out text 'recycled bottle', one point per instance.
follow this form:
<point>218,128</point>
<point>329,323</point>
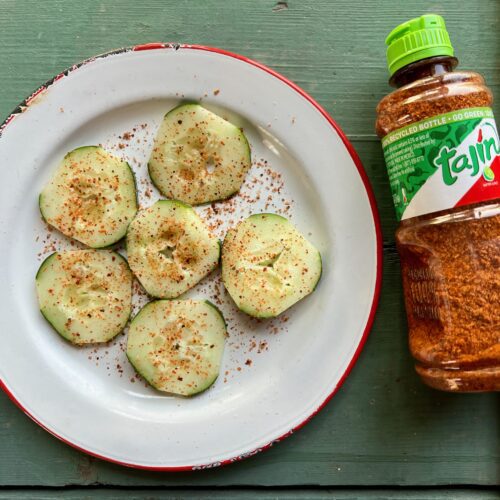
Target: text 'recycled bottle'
<point>442,152</point>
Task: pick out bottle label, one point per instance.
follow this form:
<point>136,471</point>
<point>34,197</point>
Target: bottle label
<point>446,161</point>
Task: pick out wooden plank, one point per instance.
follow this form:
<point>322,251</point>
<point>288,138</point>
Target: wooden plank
<point>384,427</point>
<point>251,494</point>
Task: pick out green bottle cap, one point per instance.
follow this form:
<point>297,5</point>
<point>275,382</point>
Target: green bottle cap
<point>417,39</point>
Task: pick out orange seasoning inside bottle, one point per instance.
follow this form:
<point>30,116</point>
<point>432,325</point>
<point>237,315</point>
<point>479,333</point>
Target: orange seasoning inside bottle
<point>442,152</point>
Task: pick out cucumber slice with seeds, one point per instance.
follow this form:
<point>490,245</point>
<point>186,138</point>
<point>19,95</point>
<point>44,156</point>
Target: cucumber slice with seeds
<point>170,249</point>
<point>177,345</point>
<point>198,157</point>
<point>91,197</point>
<point>267,265</point>
<point>86,295</point>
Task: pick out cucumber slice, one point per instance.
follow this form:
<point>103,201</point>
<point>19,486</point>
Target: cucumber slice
<point>177,345</point>
<point>91,197</point>
<point>170,249</point>
<point>198,156</point>
<point>267,265</point>
<point>86,295</point>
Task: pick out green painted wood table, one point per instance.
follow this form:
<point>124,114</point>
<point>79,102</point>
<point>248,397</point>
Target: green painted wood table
<point>384,431</point>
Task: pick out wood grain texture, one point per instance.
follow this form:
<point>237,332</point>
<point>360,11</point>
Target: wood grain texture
<point>384,427</point>
<point>251,494</point>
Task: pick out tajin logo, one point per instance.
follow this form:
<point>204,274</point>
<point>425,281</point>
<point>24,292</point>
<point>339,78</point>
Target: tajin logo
<point>477,157</point>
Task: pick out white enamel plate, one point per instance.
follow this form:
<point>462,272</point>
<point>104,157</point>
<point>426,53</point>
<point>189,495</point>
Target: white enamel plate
<point>276,374</point>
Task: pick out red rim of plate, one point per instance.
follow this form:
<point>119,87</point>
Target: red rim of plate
<point>376,221</point>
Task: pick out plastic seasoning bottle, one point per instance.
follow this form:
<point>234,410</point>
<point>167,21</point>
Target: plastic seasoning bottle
<point>442,152</point>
